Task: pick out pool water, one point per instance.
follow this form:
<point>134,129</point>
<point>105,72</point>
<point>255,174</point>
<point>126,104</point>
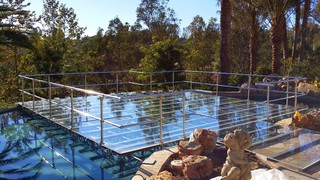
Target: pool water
<point>33,148</point>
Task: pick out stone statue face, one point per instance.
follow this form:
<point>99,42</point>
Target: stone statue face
<point>231,141</point>
<point>240,134</point>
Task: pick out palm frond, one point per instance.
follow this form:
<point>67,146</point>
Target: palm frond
<point>21,157</point>
<point>12,37</point>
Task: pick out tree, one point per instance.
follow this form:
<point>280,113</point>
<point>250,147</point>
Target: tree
<point>118,45</point>
<point>57,49</point>
<point>276,11</point>
<point>212,44</point>
<point>159,18</point>
<point>285,40</point>
<point>225,24</point>
<point>201,44</point>
<point>296,28</point>
<point>16,24</point>
<point>250,15</point>
<point>306,14</point>
<point>16,36</point>
<point>162,55</point>
<point>195,44</point>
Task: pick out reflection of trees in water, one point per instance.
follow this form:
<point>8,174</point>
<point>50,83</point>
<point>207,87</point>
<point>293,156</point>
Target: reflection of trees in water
<point>117,107</point>
<point>148,110</point>
<point>194,101</point>
<point>16,149</point>
<point>63,115</point>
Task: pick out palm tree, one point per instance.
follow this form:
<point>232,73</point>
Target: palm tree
<point>249,21</point>
<point>296,28</point>
<point>306,14</point>
<point>225,23</point>
<point>276,10</point>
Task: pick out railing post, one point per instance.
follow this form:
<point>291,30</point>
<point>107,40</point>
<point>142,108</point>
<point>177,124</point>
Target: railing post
<point>249,86</point>
<point>72,112</point>
<point>268,100</point>
<point>160,126</point>
<point>191,81</point>
<point>85,81</point>
<point>295,95</point>
<point>117,80</point>
<point>33,95</point>
<point>287,99</point>
<point>217,85</point>
<point>184,115</point>
<point>22,90</point>
<point>150,82</point>
<point>172,80</point>
<point>50,103</point>
<point>101,119</point>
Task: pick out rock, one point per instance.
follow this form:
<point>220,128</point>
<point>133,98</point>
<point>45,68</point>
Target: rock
<point>176,166</point>
<point>244,88</point>
<point>207,138</point>
<point>164,175</point>
<point>310,120</point>
<point>272,78</point>
<point>197,167</point>
<point>186,148</point>
<point>308,89</point>
<point>137,177</point>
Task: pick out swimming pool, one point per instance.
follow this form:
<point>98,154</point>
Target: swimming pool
<point>38,148</point>
<point>33,148</point>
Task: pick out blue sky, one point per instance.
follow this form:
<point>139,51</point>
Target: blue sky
<point>97,13</point>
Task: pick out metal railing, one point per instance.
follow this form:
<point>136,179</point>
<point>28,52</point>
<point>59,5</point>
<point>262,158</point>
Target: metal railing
<point>41,86</point>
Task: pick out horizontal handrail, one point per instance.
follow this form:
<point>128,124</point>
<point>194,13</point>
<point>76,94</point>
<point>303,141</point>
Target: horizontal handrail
<point>158,72</point>
<point>283,98</point>
<point>193,78</point>
<point>71,73</point>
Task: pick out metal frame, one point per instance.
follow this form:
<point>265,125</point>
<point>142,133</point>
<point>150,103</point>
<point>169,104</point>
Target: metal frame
<point>46,81</point>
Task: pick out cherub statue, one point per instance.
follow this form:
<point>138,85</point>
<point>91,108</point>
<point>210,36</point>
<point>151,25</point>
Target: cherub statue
<point>237,167</point>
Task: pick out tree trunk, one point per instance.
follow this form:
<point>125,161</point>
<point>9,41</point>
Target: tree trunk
<point>285,41</point>
<point>296,29</point>
<point>225,23</point>
<point>253,48</point>
<point>285,54</point>
<point>275,37</point>
<point>304,29</point>
<point>254,42</point>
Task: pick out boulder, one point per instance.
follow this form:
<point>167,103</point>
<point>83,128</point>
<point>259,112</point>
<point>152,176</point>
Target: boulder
<point>176,166</point>
<point>272,78</point>
<point>244,88</point>
<point>186,148</point>
<point>207,138</point>
<point>196,167</point>
<point>164,175</point>
<point>308,89</point>
<point>310,120</point>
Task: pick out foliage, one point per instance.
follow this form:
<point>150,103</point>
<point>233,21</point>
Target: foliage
<point>164,55</point>
<point>16,32</point>
<point>153,43</point>
<point>309,68</point>
<point>161,55</point>
<point>15,24</point>
<point>158,17</point>
<point>201,45</point>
